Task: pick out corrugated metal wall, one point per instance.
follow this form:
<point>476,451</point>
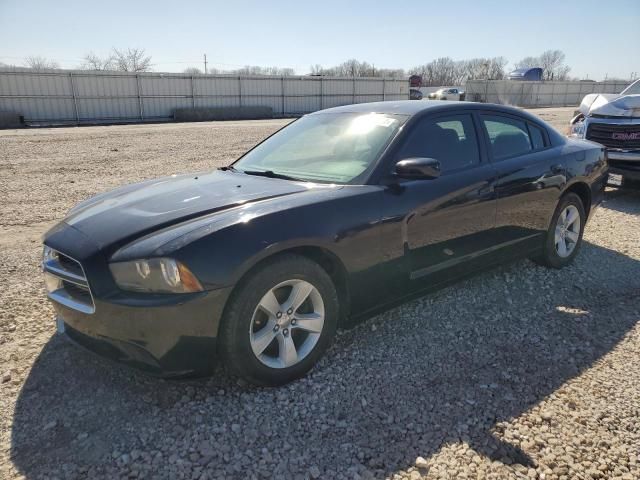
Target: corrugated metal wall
<point>81,96</point>
<point>537,94</point>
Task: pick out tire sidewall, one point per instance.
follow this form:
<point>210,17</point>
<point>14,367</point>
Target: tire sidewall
<point>236,345</point>
<point>551,255</point>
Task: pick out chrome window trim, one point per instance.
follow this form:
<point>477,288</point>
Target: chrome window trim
<point>61,296</point>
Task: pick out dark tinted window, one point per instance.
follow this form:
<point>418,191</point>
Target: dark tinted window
<point>508,137</point>
<point>450,139</point>
<point>537,137</point>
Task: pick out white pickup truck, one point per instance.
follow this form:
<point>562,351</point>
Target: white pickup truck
<point>613,120</point>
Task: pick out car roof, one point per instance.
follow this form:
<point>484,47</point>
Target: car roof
<point>416,107</point>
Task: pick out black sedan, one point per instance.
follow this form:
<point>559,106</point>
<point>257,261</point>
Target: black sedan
<point>340,214</point>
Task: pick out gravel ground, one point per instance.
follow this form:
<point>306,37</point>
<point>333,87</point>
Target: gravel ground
<point>521,372</point>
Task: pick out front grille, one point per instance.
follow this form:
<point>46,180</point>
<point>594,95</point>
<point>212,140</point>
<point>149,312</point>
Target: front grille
<point>72,288</point>
<point>77,292</point>
<point>627,165</point>
<point>626,137</point>
<point>70,264</point>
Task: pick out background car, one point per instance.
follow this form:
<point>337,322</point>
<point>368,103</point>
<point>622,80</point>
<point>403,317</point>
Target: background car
<point>613,120</point>
<point>415,94</point>
<point>340,214</point>
<point>530,74</point>
<point>447,94</point>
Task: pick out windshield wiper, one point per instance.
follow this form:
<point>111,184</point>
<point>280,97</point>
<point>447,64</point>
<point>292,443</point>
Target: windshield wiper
<point>271,174</point>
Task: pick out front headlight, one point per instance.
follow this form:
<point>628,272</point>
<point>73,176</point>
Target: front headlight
<point>577,130</point>
<point>48,255</point>
<point>155,275</point>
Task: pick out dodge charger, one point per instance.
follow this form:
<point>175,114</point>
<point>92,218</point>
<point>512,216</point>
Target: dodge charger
<point>340,214</point>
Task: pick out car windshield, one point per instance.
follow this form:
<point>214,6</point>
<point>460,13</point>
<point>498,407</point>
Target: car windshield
<point>324,147</point>
<point>633,89</point>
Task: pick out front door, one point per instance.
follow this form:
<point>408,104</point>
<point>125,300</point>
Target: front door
<point>441,228</point>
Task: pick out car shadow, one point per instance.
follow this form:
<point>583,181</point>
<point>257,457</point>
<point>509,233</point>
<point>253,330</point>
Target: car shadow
<point>630,203</point>
<point>446,368</point>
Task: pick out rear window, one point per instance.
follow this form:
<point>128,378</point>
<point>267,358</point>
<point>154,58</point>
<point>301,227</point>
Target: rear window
<point>509,137</point>
<point>537,137</point>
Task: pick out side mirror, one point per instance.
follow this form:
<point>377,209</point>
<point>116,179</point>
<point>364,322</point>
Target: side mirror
<point>418,168</point>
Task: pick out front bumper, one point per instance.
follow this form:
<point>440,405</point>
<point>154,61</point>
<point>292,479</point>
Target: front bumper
<point>163,334</point>
<point>174,337</point>
<point>625,163</point>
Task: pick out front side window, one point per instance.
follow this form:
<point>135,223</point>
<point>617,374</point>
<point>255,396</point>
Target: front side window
<point>508,137</point>
<point>451,140</point>
<point>325,147</point>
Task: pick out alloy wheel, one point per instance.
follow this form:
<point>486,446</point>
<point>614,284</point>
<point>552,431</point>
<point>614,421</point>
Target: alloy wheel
<point>287,323</point>
<point>567,231</point>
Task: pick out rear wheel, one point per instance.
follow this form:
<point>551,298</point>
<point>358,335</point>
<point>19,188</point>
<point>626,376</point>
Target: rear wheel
<point>279,321</point>
<point>564,237</point>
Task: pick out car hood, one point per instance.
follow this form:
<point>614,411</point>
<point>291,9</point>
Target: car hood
<point>134,210</point>
<point>611,105</point>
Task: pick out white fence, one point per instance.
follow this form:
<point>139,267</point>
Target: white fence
<point>536,94</point>
<point>81,96</point>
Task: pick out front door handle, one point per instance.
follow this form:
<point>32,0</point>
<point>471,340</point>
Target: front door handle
<point>559,168</point>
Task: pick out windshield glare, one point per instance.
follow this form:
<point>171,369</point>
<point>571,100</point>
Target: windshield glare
<point>325,147</point>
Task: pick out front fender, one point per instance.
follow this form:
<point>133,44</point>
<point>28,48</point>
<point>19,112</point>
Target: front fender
<point>220,248</point>
<point>345,226</point>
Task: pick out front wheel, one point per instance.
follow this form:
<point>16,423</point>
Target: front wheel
<point>564,236</point>
<point>279,321</point>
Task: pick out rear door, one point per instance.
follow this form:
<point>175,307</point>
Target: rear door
<point>530,177</point>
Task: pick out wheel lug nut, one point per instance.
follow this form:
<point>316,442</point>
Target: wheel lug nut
<point>279,314</point>
<point>285,332</point>
<point>293,321</point>
<point>276,328</point>
<point>290,311</point>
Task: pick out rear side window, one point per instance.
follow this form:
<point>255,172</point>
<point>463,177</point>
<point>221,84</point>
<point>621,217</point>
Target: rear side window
<point>508,137</point>
<point>537,137</point>
<point>449,139</point>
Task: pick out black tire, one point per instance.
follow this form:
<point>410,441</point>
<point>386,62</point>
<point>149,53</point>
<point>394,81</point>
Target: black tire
<point>549,257</point>
<point>234,341</point>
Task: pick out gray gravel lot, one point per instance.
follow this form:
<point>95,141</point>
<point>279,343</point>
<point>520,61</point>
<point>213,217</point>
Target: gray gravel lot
<point>521,372</point>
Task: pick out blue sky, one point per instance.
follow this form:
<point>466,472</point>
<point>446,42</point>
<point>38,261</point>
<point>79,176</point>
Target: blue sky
<point>599,37</point>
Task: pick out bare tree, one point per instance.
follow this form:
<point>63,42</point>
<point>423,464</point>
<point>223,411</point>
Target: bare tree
<point>131,60</point>
<point>356,68</point>
<point>41,63</point>
<point>554,68</point>
<point>192,71</point>
<point>91,61</point>
<point>316,69</point>
<point>528,62</point>
<point>551,62</point>
<point>445,71</point>
<point>390,73</point>
<point>256,70</point>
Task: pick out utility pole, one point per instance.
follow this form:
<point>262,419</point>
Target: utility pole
<point>205,63</point>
